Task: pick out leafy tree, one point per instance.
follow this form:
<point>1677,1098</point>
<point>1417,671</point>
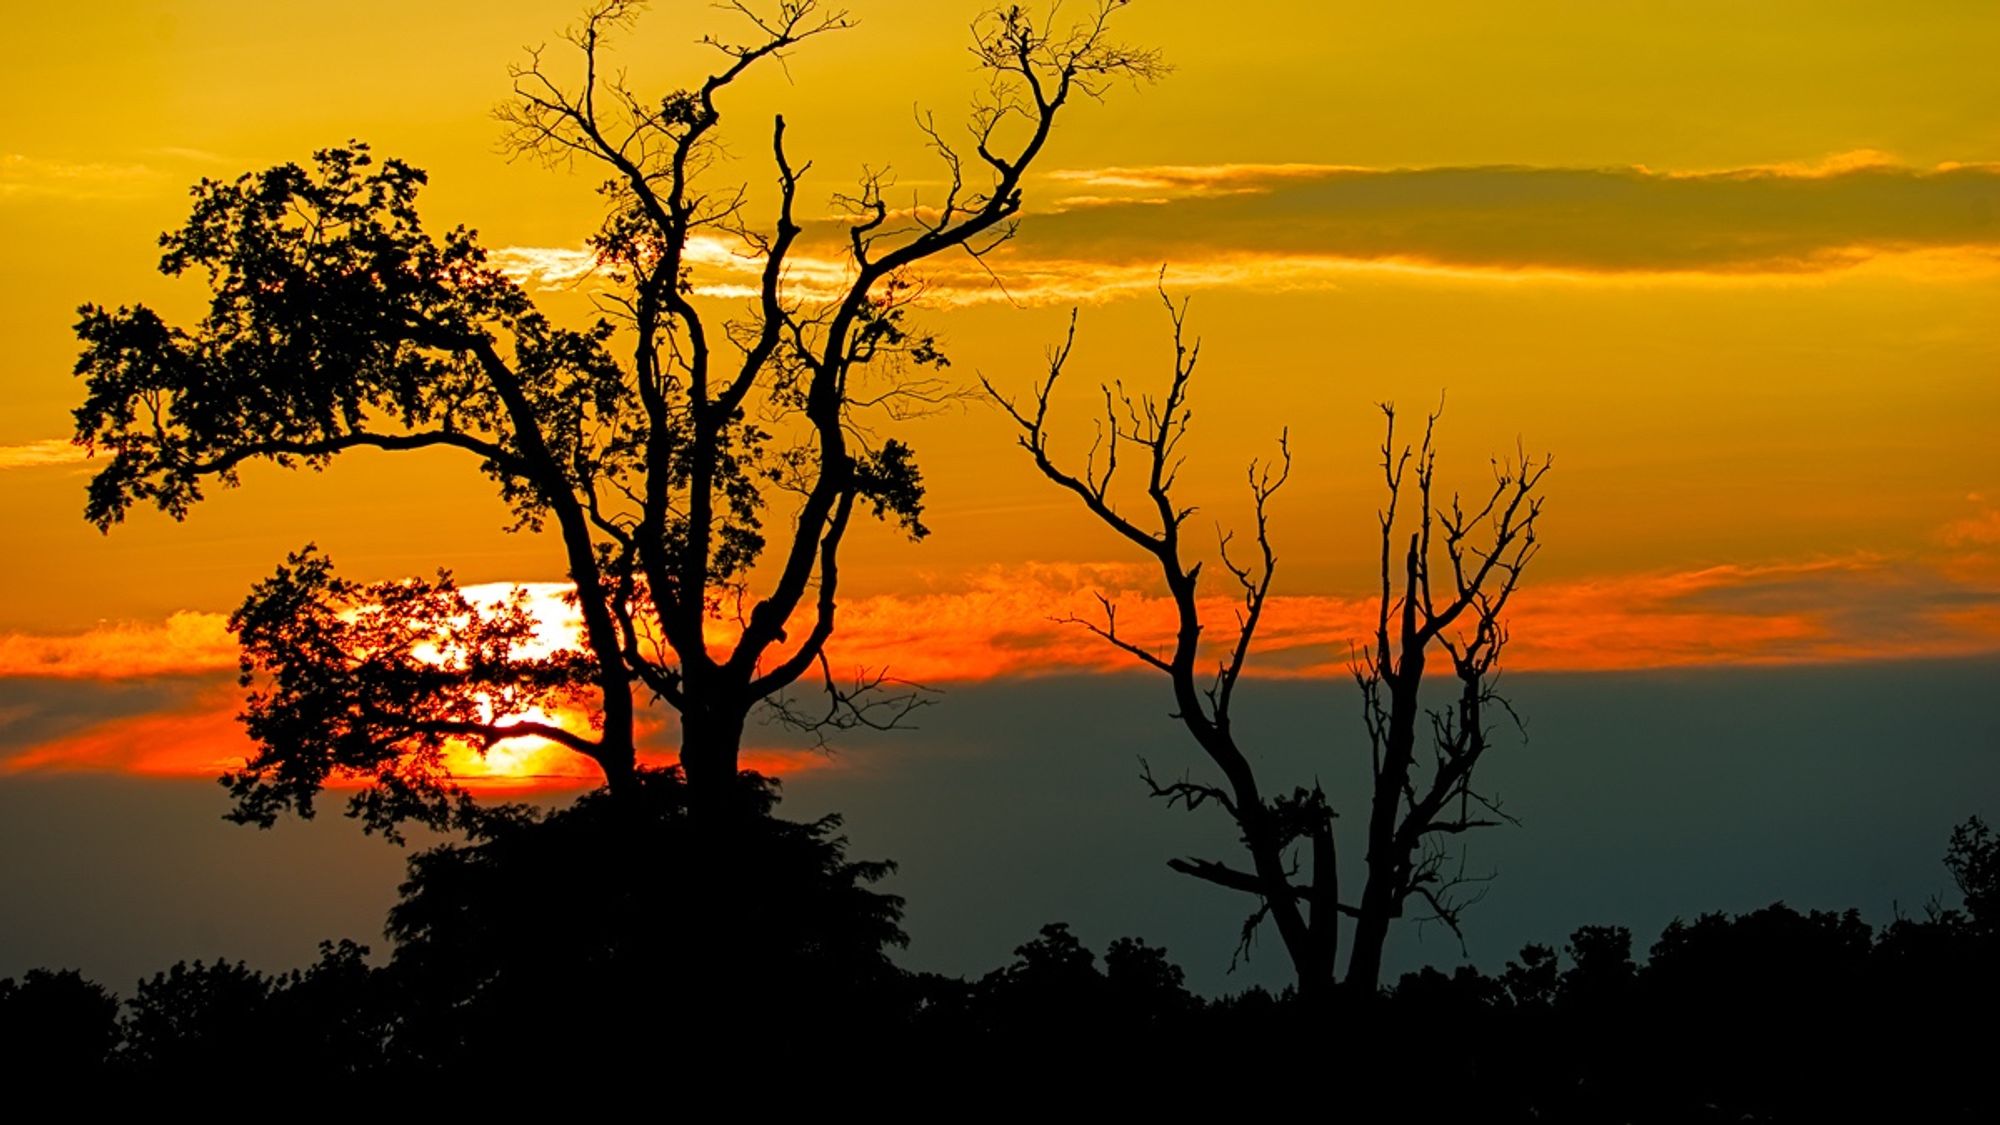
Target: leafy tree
<point>1973,858</point>
<point>56,1025</point>
<point>338,1017</point>
<point>1054,993</point>
<point>200,1017</point>
<point>1444,589</point>
<point>1531,982</point>
<point>630,915</point>
<point>1143,984</point>
<point>1601,972</point>
<point>709,476</point>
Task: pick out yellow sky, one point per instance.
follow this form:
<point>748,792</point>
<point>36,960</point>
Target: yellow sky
<point>1735,265</point>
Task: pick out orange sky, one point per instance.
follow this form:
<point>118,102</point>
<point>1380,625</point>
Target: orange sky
<point>1735,266</point>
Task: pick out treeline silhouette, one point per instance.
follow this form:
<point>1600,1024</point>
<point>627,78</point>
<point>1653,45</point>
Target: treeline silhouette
<point>638,931</point>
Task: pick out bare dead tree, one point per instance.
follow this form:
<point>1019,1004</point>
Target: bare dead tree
<point>1413,810</point>
<point>1304,909</point>
<point>711,474</point>
<point>1290,839</point>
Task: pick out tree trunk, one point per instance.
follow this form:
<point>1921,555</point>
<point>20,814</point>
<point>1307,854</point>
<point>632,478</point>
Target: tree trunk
<point>1388,857</point>
<point>711,744</point>
<point>620,767</point>
<point>1314,970</point>
<point>1371,932</point>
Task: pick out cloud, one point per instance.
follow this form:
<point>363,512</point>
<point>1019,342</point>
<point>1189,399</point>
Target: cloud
<point>189,728</point>
<point>1849,609</point>
<point>23,177</point>
<point>108,700</point>
<point>545,267</point>
<point>194,735</point>
<point>1024,621</point>
<point>186,643</point>
<point>1155,181</point>
<point>1106,231</point>
<point>1780,219</point>
<point>726,267</point>
<point>1981,529</point>
<point>41,454</point>
<point>35,711</point>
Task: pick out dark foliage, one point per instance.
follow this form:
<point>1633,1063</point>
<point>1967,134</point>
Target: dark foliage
<point>767,959</point>
<point>1974,861</point>
<point>670,446</point>
<point>56,1024</point>
<point>331,1020</point>
<point>629,914</point>
<point>1054,995</point>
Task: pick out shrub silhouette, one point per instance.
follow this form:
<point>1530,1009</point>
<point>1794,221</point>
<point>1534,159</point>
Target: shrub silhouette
<point>56,1024</point>
<point>629,912</point>
<point>635,935</point>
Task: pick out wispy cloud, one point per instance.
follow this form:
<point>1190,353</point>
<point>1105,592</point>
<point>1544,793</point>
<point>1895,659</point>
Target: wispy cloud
<point>1774,219</point>
<point>724,268</point>
<point>41,454</point>
<point>193,731</point>
<point>1848,609</point>
<point>1004,622</point>
<point>184,644</point>
<point>1009,623</point>
<point>1106,231</point>
<point>1161,181</point>
<point>23,176</point>
<point>545,267</point>
<point>197,735</point>
<point>1981,529</point>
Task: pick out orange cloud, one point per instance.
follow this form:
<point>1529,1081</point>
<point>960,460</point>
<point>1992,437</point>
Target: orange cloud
<point>1313,226</point>
<point>1175,180</point>
<point>1854,608</point>
<point>1004,622</point>
<point>201,738</point>
<point>1979,530</point>
<point>186,643</point>
<point>40,454</point>
<point>198,737</point>
<point>1008,623</point>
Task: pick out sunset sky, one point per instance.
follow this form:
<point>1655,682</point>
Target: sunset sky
<point>1736,266</point>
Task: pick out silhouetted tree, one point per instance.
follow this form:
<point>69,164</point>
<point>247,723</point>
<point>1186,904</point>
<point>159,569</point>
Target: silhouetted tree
<point>1760,1010</point>
<point>56,1026</point>
<point>338,321</point>
<point>1973,858</point>
<point>1769,1015</point>
<point>1531,981</point>
<point>1601,972</point>
<point>1486,546</point>
<point>1055,999</point>
<point>202,1017</point>
<point>338,1017</point>
<point>623,919</point>
<point>1460,611</point>
<point>1143,985</point>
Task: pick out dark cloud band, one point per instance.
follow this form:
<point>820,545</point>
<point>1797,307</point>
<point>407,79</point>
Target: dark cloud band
<point>1596,220</point>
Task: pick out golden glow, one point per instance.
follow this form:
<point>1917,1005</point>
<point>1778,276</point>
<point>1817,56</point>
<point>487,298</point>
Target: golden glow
<point>1735,265</point>
<point>202,738</point>
<point>1015,623</point>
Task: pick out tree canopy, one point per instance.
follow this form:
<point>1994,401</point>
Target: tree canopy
<point>700,462</point>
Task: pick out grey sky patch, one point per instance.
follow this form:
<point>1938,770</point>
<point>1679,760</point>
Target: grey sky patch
<point>35,711</point>
<point>1643,796</point>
